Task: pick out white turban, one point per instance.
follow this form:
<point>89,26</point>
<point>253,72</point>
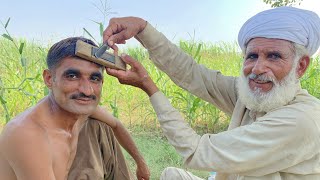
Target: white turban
<point>288,23</point>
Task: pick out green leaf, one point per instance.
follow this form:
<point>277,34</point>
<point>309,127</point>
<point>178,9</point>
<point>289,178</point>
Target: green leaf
<point>2,100</point>
<point>101,29</point>
<point>6,25</point>
<point>85,30</point>
<point>1,84</point>
<point>21,48</point>
<point>23,61</point>
<point>7,118</point>
<point>45,91</point>
<point>7,37</point>
<point>37,76</point>
<point>198,50</point>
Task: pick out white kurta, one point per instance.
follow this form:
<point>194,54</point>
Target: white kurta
<point>281,144</point>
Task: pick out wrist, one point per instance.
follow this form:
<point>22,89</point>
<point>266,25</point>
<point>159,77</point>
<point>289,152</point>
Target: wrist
<point>141,162</point>
<point>143,24</point>
<point>149,86</point>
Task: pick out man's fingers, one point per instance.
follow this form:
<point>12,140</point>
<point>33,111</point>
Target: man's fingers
<point>119,38</point>
<point>115,73</point>
<point>110,30</point>
<point>129,60</point>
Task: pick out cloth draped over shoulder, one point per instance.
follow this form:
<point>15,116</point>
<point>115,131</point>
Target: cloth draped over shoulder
<point>288,23</point>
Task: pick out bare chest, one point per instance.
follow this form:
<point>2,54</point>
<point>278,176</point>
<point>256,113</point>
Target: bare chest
<point>63,149</point>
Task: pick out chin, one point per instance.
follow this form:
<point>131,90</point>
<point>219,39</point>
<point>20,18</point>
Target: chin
<point>81,110</point>
<point>264,101</point>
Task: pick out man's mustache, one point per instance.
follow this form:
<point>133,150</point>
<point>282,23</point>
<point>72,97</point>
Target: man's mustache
<point>260,77</point>
<point>81,95</point>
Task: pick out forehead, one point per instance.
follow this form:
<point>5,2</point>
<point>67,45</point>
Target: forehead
<point>266,44</point>
<point>82,65</point>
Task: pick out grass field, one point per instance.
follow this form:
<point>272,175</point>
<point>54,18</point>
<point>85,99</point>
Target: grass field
<point>21,86</point>
<point>158,154</point>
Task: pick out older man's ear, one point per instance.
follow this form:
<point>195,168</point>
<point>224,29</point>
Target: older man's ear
<point>303,65</point>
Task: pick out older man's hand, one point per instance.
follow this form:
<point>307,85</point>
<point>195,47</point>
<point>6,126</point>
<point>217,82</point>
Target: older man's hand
<point>121,29</point>
<point>136,76</point>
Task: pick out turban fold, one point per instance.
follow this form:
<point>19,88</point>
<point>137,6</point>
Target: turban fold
<point>288,23</point>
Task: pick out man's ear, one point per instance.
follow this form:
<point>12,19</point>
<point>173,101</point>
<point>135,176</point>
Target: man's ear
<point>303,65</point>
<point>47,78</point>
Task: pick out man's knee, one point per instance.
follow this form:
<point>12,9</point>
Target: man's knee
<point>172,173</point>
<point>168,173</point>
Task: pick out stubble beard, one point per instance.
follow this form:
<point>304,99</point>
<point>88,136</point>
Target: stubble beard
<point>281,93</point>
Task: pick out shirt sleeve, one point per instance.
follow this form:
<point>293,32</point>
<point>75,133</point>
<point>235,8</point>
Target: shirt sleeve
<point>272,143</point>
<point>209,85</point>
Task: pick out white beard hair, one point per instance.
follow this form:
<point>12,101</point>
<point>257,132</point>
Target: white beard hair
<point>281,93</point>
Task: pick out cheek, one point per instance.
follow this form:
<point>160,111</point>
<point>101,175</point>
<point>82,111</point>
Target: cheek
<point>67,88</point>
<point>97,89</point>
<point>280,72</point>
<point>247,68</point>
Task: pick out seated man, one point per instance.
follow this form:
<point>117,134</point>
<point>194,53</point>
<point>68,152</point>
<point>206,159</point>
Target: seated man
<point>41,143</point>
<point>275,126</point>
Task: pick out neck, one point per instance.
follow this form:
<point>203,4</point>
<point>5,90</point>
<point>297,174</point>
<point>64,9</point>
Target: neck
<point>61,118</point>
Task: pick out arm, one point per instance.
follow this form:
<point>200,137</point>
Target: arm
<point>207,84</point>
<point>18,146</point>
<point>125,140</point>
<point>274,142</point>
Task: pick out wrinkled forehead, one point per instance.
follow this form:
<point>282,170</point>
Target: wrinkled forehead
<point>270,44</point>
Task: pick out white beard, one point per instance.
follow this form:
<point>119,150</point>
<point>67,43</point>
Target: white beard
<point>281,93</point>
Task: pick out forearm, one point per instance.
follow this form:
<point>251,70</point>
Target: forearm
<point>126,141</point>
<point>175,128</point>
<point>209,85</point>
<point>241,150</point>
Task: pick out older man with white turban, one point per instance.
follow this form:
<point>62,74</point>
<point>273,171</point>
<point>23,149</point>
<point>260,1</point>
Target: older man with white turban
<point>275,124</point>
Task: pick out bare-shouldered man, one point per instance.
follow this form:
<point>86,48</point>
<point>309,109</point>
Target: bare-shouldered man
<point>41,143</point>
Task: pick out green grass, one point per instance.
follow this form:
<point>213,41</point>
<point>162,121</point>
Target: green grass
<point>158,154</point>
<point>21,86</point>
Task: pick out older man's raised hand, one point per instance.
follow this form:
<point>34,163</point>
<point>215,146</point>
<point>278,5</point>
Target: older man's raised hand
<point>136,76</point>
<point>121,29</point>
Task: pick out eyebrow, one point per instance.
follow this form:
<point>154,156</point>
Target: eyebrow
<point>71,71</point>
<point>266,52</point>
<point>275,52</point>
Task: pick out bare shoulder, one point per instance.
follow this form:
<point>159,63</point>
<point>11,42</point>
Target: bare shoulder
<point>25,146</point>
<point>20,132</point>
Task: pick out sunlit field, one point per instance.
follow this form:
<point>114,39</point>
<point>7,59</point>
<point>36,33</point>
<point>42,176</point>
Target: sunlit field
<point>21,87</point>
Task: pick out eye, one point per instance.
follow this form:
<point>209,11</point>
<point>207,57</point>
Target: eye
<point>71,76</point>
<point>252,56</point>
<point>96,79</point>
<point>274,56</point>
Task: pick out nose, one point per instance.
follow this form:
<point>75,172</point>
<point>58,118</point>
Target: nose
<point>86,88</point>
<point>260,66</point>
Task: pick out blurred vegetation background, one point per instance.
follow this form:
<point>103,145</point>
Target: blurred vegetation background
<point>21,86</point>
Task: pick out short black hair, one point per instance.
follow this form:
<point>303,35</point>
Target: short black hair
<point>62,49</point>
